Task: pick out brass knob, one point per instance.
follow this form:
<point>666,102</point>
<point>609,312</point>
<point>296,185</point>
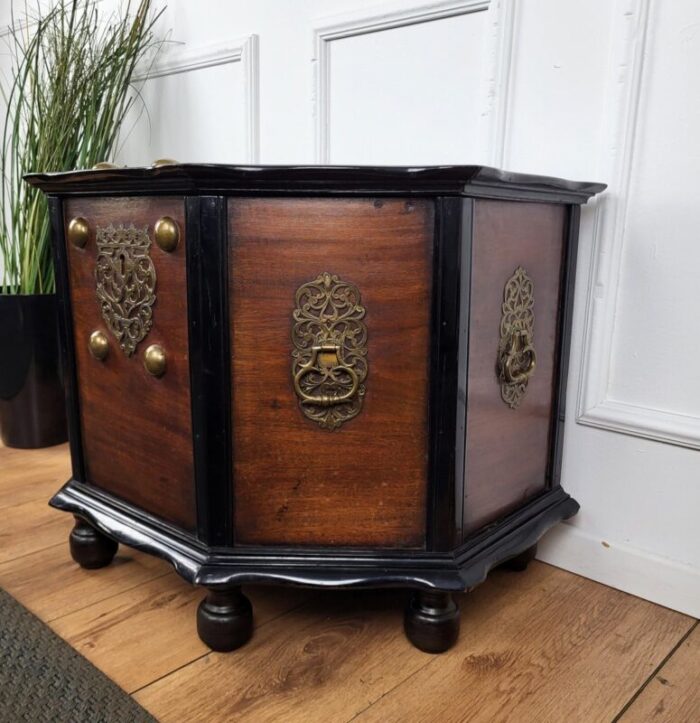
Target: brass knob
<point>99,345</point>
<point>167,233</point>
<point>154,360</point>
<point>164,162</point>
<point>103,166</point>
<point>78,232</point>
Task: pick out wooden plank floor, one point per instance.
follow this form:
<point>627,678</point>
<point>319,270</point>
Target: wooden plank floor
<point>544,645</point>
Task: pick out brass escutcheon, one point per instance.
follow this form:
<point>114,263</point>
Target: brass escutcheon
<point>98,345</point>
<point>329,360</point>
<point>125,283</point>
<point>517,359</point>
<point>78,232</point>
<point>154,360</point>
<point>167,233</point>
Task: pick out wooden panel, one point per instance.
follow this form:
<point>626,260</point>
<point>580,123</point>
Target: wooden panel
<point>154,623</point>
<point>49,525</point>
<point>507,449</point>
<point>541,646</point>
<point>673,694</point>
<point>20,482</point>
<point>365,483</point>
<point>52,585</point>
<point>136,429</point>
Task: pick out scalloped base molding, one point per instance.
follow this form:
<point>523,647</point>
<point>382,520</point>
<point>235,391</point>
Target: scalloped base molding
<point>640,573</point>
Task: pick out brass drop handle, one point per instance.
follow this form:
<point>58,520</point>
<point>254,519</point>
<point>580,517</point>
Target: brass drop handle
<point>154,360</point>
<point>519,360</point>
<point>328,365</point>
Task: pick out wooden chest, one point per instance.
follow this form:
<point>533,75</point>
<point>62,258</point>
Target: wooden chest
<point>315,376</point>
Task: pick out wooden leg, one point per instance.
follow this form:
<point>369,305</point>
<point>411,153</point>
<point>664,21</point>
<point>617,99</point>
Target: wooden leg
<point>225,619</point>
<point>431,621</point>
<point>520,562</point>
<point>90,548</point>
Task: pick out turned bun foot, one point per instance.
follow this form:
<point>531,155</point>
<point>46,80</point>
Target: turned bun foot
<point>431,621</point>
<point>225,619</point>
<point>520,562</point>
<point>90,548</point>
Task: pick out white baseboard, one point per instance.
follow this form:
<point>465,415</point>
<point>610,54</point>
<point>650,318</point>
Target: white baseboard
<point>658,579</point>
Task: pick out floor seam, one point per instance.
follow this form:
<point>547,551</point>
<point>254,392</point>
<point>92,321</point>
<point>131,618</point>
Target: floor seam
<point>210,652</point>
<point>109,597</point>
<point>655,672</point>
<point>391,690</point>
<point>33,552</point>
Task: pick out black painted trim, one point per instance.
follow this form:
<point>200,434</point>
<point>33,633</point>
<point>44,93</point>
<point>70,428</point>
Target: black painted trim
<point>198,179</point>
<point>564,335</point>
<point>207,284</point>
<point>467,236</point>
<point>321,567</point>
<point>66,339</point>
<point>446,410</point>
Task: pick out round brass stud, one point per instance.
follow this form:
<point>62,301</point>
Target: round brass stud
<point>164,162</point>
<point>99,345</point>
<point>103,166</point>
<point>78,232</point>
<point>167,233</point>
<point>154,360</point>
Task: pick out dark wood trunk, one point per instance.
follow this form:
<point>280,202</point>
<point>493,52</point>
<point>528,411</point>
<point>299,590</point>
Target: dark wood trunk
<point>440,458</point>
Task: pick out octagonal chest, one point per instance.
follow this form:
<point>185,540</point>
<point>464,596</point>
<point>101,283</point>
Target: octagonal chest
<point>323,376</point>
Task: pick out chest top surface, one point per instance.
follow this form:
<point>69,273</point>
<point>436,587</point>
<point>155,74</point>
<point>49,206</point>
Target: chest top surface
<point>192,178</point>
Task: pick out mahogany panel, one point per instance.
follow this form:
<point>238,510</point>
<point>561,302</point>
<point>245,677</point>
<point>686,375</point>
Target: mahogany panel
<point>364,483</point>
<point>507,450</point>
<point>136,429</point>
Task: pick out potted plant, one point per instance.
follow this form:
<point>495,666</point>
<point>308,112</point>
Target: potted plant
<point>66,98</point>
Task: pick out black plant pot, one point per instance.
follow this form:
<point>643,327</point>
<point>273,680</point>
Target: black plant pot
<point>32,403</point>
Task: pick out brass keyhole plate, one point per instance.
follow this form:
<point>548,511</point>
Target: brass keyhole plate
<point>125,280</point>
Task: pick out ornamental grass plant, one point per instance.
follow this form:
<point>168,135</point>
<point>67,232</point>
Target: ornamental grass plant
<point>69,89</point>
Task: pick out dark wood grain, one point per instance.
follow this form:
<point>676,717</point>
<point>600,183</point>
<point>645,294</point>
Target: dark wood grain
<point>508,449</point>
<point>295,483</point>
<point>136,429</point>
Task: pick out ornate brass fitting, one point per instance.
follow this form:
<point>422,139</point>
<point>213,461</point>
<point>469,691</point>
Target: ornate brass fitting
<point>78,232</point>
<point>98,345</point>
<point>166,233</point>
<point>154,360</point>
<point>329,360</point>
<point>516,355</point>
<point>125,280</point>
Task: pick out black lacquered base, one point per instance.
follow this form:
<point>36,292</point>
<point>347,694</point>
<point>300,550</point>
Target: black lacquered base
<point>225,619</point>
<point>90,548</point>
<point>520,562</point>
<point>431,621</point>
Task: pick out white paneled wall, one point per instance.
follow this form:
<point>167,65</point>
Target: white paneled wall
<point>376,96</point>
<point>204,98</point>
<point>602,90</point>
